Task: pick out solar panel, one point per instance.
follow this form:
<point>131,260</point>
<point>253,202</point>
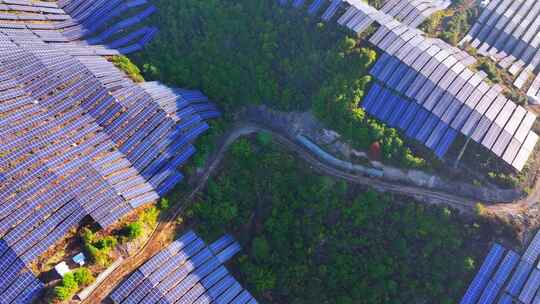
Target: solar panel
<point>230,293</point>
<point>507,265</point>
<point>481,279</point>
<point>530,288</point>
<point>220,287</point>
<point>490,293</point>
<point>532,252</point>
<point>214,277</point>
<point>243,298</point>
<point>519,278</point>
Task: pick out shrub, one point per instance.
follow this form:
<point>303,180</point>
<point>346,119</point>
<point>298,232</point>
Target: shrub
<point>107,242</point>
<point>480,209</point>
<point>133,230</point>
<point>516,96</point>
<point>87,235</point>
<point>457,26</point>
<point>260,249</point>
<point>83,276</point>
<point>241,148</point>
<point>123,63</point>
<point>149,216</point>
<point>150,70</point>
<point>98,256</point>
<point>490,69</point>
<point>62,293</point>
<point>469,264</point>
<point>433,23</point>
<point>410,161</point>
<point>264,138</point>
<point>67,287</point>
<point>262,278</point>
<point>164,204</point>
<point>97,249</point>
<point>72,282</point>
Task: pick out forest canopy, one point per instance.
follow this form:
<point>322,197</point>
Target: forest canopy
<point>312,239</point>
<point>258,52</point>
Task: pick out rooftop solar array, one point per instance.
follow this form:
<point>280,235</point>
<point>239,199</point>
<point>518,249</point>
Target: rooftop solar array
<point>413,12</point>
<point>78,137</point>
<point>507,31</point>
<point>505,277</point>
<point>187,271</point>
<point>425,88</point>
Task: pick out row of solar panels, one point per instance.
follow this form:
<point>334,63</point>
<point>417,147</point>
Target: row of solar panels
<point>357,15</point>
<point>84,20</point>
<point>31,7</point>
<point>449,98</point>
<point>413,12</point>
<point>435,76</point>
<point>409,117</point>
<point>31,3</point>
<point>507,278</point>
<point>71,107</point>
<point>187,271</point>
<point>172,101</point>
<point>360,15</point>
<point>439,80</point>
<point>17,283</point>
<point>507,32</point>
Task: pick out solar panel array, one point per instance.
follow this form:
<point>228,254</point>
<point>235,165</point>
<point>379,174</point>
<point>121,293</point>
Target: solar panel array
<point>77,137</point>
<point>426,89</point>
<point>68,21</point>
<point>413,12</point>
<point>358,15</point>
<point>504,277</point>
<point>438,79</point>
<point>507,31</point>
<point>187,271</point>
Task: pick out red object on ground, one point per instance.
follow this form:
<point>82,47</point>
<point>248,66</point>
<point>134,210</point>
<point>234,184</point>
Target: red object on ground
<point>375,151</point>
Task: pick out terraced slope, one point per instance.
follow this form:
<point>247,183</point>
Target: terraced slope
<point>78,137</point>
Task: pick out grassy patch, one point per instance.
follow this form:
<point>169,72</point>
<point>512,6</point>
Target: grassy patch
<point>125,64</point>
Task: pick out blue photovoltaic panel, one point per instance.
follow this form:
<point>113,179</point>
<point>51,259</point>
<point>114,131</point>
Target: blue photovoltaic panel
<point>505,299</point>
<point>507,265</point>
<point>230,293</point>
<point>480,280</point>
<point>398,112</point>
<point>490,293</point>
<point>445,142</point>
<point>221,243</point>
<point>530,288</point>
<point>184,274</point>
<point>67,113</point>
<point>228,252</point>
<point>518,279</point>
<point>532,252</point>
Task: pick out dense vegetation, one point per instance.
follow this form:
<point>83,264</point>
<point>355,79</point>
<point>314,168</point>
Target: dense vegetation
<point>311,239</point>
<point>125,64</point>
<point>99,248</point>
<point>235,52</point>
<point>452,24</point>
<point>490,68</point>
<point>72,282</point>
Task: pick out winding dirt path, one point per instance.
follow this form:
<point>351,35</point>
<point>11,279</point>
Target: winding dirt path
<point>160,237</point>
